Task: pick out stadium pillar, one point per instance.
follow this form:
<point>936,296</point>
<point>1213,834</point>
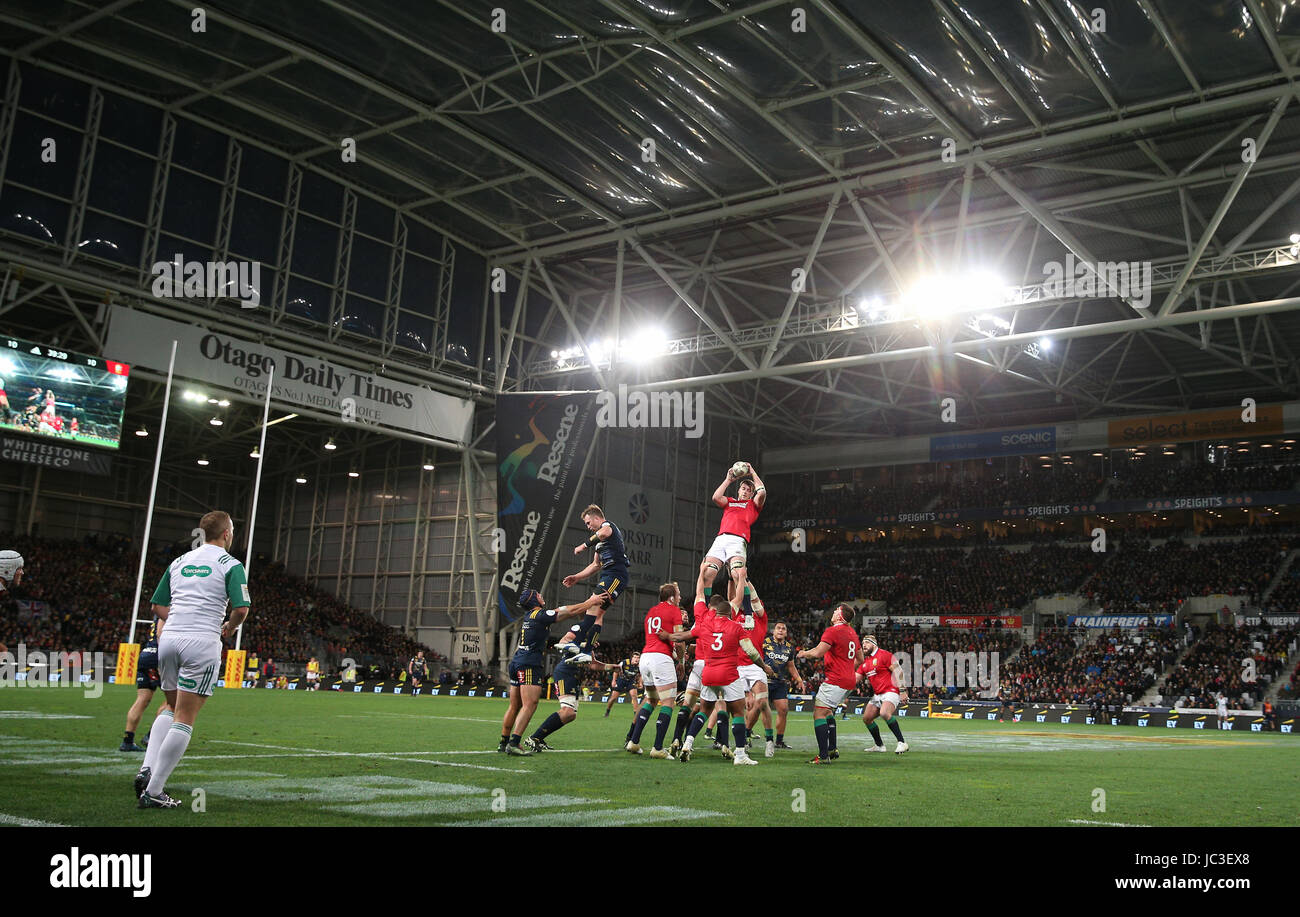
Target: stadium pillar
<point>153,492</point>
<point>31,501</point>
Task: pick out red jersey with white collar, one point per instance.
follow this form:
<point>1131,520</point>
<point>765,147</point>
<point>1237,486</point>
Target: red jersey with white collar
<point>737,517</point>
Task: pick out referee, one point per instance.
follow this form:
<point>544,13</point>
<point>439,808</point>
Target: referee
<point>191,597</point>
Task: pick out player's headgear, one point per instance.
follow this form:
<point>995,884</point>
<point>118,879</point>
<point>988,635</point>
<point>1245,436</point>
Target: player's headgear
<point>10,563</point>
<point>529,599</point>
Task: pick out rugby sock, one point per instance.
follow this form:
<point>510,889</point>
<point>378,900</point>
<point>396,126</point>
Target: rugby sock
<point>683,717</point>
<point>819,726</point>
<point>708,594</point>
<point>173,747</point>
<point>642,717</point>
<point>661,726</point>
<point>697,723</point>
<point>892,723</point>
<point>767,733</point>
<point>780,737</point>
<point>128,738</point>
<point>746,602</point>
<point>738,732</point>
<point>549,725</point>
<point>875,734</point>
<point>157,733</point>
<point>514,739</point>
<point>831,732</point>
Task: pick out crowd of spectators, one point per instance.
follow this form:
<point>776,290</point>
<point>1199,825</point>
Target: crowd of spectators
<point>1136,571</point>
<point>76,595</point>
<point>1169,479</point>
<point>1156,477</point>
<point>1239,662</point>
<point>1116,668</point>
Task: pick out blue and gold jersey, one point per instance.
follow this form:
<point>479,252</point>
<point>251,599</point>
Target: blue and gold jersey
<point>778,655</point>
<point>612,553</point>
<point>534,636</point>
<point>152,642</point>
<point>631,670</point>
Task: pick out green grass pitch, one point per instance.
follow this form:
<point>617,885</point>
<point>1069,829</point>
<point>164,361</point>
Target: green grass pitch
<point>288,758</point>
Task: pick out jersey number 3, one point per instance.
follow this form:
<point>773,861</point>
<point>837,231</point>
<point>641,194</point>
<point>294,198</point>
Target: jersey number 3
<point>717,641</point>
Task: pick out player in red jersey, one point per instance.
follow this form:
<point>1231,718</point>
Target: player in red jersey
<point>755,623</point>
<point>661,663</point>
<point>730,548</point>
<point>74,427</point>
<point>723,638</point>
<point>838,651</point>
<point>889,685</point>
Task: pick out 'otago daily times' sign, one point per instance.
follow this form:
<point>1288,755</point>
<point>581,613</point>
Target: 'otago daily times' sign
<point>306,381</point>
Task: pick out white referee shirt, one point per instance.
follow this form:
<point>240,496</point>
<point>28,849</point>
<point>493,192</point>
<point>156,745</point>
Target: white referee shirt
<point>197,586</point>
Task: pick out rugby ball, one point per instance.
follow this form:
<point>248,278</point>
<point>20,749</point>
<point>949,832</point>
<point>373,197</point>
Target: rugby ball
<point>740,469</point>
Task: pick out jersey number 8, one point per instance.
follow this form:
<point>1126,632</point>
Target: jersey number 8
<point>853,650</point>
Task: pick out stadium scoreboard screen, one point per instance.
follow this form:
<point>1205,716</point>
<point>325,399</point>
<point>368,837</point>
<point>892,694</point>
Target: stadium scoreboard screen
<point>48,392</point>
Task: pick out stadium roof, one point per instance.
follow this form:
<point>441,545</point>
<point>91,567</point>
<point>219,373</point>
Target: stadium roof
<point>869,145</point>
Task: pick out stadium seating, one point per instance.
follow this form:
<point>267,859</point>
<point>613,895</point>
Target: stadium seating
<point>69,585</point>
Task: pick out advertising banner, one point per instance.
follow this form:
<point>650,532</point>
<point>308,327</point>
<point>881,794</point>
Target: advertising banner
<point>54,455</point>
<point>1181,428</point>
<point>235,668</point>
<point>1109,621</point>
<point>128,658</point>
<point>467,647</point>
<point>306,381</point>
<point>542,440</point>
<point>1024,441</point>
<point>645,516</point>
<point>980,620</point>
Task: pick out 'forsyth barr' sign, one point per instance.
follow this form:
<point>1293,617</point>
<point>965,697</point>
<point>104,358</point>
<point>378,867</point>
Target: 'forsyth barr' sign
<point>306,381</point>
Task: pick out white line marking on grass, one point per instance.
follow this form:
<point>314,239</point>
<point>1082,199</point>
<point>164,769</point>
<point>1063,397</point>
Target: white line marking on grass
<point>493,751</point>
<point>27,822</point>
<point>323,753</point>
<point>37,715</point>
<point>1108,824</point>
<point>463,806</point>
<point>418,716</point>
<point>609,818</point>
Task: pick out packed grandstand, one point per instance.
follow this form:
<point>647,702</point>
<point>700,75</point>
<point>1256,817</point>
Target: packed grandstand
<point>1148,569</point>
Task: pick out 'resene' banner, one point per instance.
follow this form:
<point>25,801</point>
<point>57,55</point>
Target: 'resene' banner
<point>542,441</point>
<point>306,381</point>
<point>645,516</point>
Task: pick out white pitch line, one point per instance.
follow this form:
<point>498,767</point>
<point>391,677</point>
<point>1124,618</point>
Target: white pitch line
<point>415,716</point>
<point>321,752</point>
<point>27,822</point>
<point>635,815</point>
<point>1108,824</point>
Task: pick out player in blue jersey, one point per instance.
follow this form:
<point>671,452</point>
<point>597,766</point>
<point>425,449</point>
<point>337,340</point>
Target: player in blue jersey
<point>611,563</point>
<point>567,676</point>
<point>778,652</point>
<point>528,666</point>
<point>147,681</point>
